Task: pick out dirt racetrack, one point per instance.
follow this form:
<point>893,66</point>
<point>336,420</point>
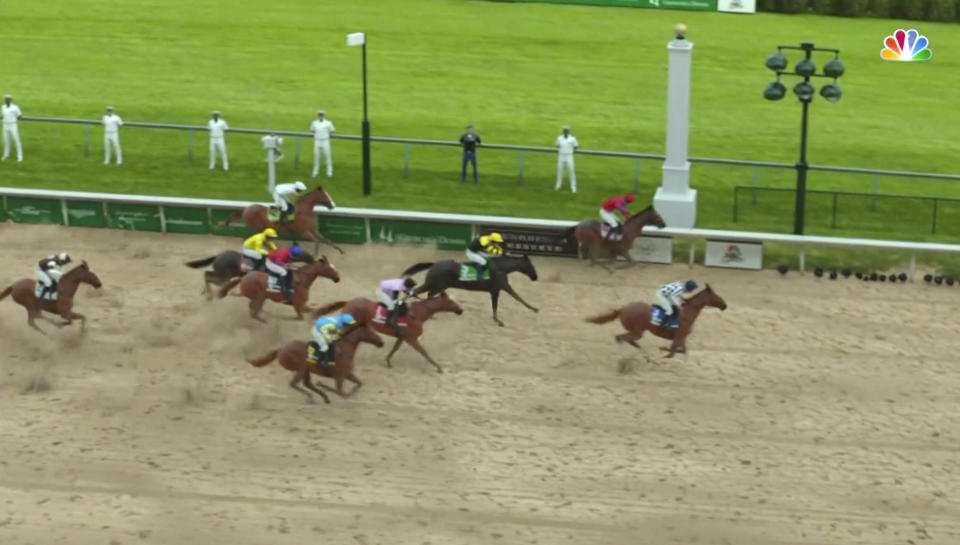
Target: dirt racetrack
<point>810,412</point>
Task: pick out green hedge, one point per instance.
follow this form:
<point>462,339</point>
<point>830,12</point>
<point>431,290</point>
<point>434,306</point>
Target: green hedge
<point>929,10</point>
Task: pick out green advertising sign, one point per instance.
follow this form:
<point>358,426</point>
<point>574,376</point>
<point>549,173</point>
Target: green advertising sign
<point>186,220</point>
<point>3,209</point>
<point>445,236</point>
<point>23,210</point>
<point>86,214</point>
<point>235,229</point>
<point>136,217</point>
<point>347,230</point>
<point>704,5</point>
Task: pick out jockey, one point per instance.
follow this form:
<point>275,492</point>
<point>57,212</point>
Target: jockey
<point>669,297</point>
<point>283,203</point>
<point>389,291</point>
<point>253,247</point>
<point>276,264</point>
<point>607,212</point>
<point>325,330</point>
<point>48,273</point>
<point>483,248</point>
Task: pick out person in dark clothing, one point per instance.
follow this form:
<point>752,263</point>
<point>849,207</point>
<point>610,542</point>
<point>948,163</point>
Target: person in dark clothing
<point>470,140</point>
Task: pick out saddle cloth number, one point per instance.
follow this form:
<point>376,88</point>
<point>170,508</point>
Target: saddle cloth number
<point>381,316</point>
<point>606,229</point>
<point>274,283</point>
<point>657,314</point>
<point>468,272</point>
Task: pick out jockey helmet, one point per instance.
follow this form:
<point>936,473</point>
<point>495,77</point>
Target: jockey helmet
<point>296,250</point>
<point>409,282</point>
<point>63,257</point>
<point>347,319</point>
<point>300,186</point>
<point>496,237</point>
<point>270,232</point>
<point>690,285</point>
<point>629,197</point>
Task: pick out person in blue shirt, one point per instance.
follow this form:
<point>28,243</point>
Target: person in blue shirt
<point>326,330</point>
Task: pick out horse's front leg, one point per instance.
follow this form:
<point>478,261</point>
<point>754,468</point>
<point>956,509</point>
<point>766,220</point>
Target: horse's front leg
<point>309,384</point>
<point>353,378</point>
<point>300,376</point>
<point>494,300</point>
<point>423,352</point>
<point>396,347</point>
<point>513,294</point>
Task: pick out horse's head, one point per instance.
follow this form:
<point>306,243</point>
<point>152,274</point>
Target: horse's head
<point>527,268</point>
<point>322,267</point>
<point>363,334</point>
<point>711,299</point>
<point>648,216</point>
<point>306,257</point>
<point>83,273</point>
<point>320,196</point>
<point>443,303</point>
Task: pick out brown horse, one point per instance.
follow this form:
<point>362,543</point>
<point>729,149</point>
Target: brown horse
<point>635,318</point>
<point>293,356</point>
<point>592,243</point>
<point>253,286</point>
<point>409,327</point>
<point>227,265</point>
<point>24,293</point>
<point>304,223</point>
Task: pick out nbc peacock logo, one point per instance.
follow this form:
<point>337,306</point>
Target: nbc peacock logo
<point>906,45</point>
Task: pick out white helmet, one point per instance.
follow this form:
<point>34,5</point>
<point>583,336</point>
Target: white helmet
<point>300,186</point>
<point>62,256</point>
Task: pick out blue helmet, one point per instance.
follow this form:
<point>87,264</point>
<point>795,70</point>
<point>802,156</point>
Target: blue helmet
<point>347,319</point>
<point>690,285</point>
<point>296,251</point>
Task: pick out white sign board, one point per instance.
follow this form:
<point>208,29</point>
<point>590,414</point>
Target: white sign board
<point>734,254</point>
<point>652,249</point>
<point>737,6</point>
<point>356,38</point>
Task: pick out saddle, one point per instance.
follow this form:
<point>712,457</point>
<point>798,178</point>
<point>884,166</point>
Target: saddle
<point>247,265</point>
<point>605,231</point>
<point>657,314</point>
<point>49,296</point>
<point>274,213</point>
<point>380,316</point>
<point>468,272</point>
<point>316,357</point>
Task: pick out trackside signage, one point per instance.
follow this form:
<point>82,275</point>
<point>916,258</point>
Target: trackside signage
<point>23,210</point>
<point>734,254</point>
<point>186,220</point>
<point>532,241</point>
<point>652,249</point>
<point>447,236</point>
<point>136,217</point>
<point>346,230</point>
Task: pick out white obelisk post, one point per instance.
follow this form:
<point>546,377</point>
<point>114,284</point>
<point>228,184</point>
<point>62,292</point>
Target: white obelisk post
<point>674,200</point>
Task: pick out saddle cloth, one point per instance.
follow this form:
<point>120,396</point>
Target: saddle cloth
<point>604,229</point>
<point>380,316</point>
<point>274,283</point>
<point>468,272</point>
<point>314,355</point>
<point>274,214</point>
<point>657,314</point>
<point>48,297</point>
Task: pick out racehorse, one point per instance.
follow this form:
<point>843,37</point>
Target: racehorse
<point>635,318</point>
<point>293,356</point>
<point>256,219</point>
<point>446,274</point>
<point>409,327</point>
<point>227,265</point>
<point>592,243</point>
<point>254,284</point>
<point>24,294</point>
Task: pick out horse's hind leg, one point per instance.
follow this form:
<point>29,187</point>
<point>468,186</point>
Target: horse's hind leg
<point>299,376</point>
<point>255,306</point>
<point>209,277</point>
<point>630,338</point>
<point>31,317</point>
<point>309,384</point>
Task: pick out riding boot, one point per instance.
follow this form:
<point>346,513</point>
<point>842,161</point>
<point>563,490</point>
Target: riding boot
<point>288,287</point>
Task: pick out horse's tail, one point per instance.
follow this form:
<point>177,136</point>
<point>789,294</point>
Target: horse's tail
<point>264,359</point>
<point>225,289</point>
<point>567,233</point>
<point>234,216</point>
<point>6,292</point>
<point>417,268</point>
<point>200,263</point>
<point>604,318</point>
<point>329,308</point>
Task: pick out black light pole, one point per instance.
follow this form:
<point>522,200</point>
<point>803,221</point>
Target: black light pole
<point>804,91</point>
<point>360,38</point>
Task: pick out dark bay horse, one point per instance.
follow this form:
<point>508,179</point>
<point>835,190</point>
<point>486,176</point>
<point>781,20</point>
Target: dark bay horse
<point>304,223</point>
<point>446,274</point>
<point>591,242</point>
<point>408,329</point>
<point>293,357</point>
<point>23,294</point>
<point>253,286</point>
<point>635,318</point>
<point>227,265</point>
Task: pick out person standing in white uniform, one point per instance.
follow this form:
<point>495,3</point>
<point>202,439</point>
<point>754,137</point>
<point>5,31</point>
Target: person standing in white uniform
<point>322,128</point>
<point>11,114</point>
<point>217,127</point>
<point>566,145</point>
<point>111,136</point>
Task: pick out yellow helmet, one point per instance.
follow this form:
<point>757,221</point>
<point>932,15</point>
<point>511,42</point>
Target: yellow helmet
<point>270,232</point>
<point>496,237</point>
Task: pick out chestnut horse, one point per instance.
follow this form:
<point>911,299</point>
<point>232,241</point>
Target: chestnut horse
<point>409,330</point>
<point>293,356</point>
<point>227,265</point>
<point>635,318</point>
<point>592,243</point>
<point>24,293</point>
<point>253,286</point>
<point>304,222</point>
